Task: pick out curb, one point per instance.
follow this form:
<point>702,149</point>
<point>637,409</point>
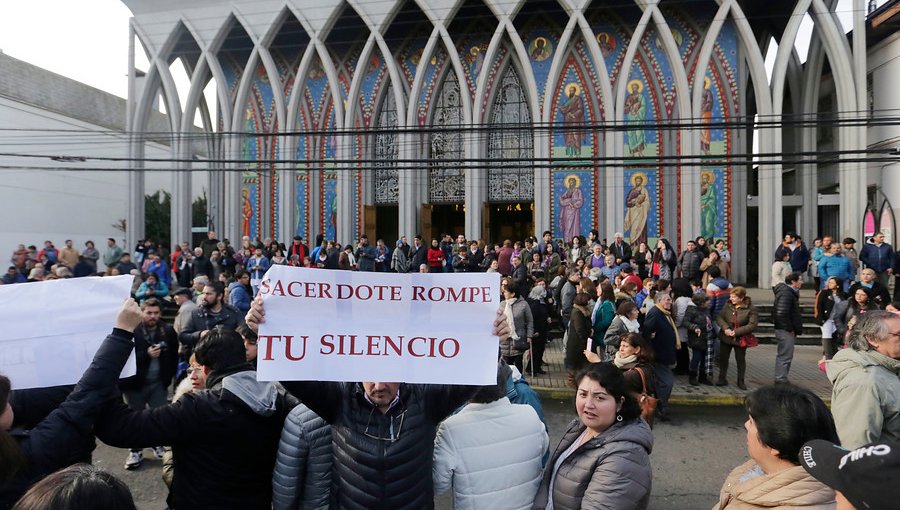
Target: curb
<point>678,399</point>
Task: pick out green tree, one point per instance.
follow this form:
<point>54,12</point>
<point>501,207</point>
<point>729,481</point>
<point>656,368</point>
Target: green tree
<point>158,217</point>
<point>198,211</point>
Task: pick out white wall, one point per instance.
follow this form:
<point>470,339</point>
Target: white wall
<point>39,205</point>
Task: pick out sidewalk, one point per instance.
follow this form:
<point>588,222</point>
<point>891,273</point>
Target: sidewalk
<point>760,371</point>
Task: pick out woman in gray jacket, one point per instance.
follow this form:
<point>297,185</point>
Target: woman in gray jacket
<point>521,323</point>
<point>603,459</point>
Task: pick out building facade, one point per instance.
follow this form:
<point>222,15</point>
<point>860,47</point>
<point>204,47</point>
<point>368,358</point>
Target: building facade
<point>500,119</point>
<point>61,164</point>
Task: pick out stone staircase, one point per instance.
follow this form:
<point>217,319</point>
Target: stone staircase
<point>765,332</point>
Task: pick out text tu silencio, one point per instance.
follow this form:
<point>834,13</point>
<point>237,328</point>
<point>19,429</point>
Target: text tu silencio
<point>365,292</point>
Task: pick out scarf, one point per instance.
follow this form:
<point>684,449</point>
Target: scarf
<point>674,328</point>
<point>633,326</point>
<point>509,319</point>
<point>622,362</point>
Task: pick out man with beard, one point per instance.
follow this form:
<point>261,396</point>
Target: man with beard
<point>211,313</point>
<point>156,354</point>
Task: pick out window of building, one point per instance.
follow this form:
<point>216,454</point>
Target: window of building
<point>511,143</point>
<point>387,187</point>
<point>446,177</point>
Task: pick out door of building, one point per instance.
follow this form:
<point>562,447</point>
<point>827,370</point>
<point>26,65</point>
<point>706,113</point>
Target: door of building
<point>513,221</point>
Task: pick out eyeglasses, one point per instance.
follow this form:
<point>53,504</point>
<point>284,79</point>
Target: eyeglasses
<point>193,369</point>
<point>394,428</point>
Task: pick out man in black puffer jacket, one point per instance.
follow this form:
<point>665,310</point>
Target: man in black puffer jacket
<point>788,323</point>
<point>383,438</point>
<point>382,433</point>
<point>224,439</point>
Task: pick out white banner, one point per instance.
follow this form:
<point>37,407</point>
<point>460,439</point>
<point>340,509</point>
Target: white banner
<point>324,325</point>
<point>52,329</point>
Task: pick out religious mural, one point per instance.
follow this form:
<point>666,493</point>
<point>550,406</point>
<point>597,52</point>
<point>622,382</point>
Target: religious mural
<point>572,192</point>
<point>570,99</point>
<point>642,206</point>
<point>576,106</point>
<point>329,207</point>
<point>720,102</point>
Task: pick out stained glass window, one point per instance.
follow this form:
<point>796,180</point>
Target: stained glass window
<point>510,179</point>
<point>387,187</point>
<point>446,178</point>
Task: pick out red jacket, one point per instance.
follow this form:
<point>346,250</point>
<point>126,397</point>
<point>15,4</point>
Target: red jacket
<point>435,257</point>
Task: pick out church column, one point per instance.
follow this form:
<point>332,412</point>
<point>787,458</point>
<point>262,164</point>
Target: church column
<point>287,202</point>
<point>181,191</point>
<point>852,176</point>
<point>134,221</point>
<point>542,185</point>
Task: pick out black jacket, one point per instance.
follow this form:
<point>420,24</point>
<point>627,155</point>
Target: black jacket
<point>825,305</point>
<point>417,257</point>
<point>201,265</point>
<point>371,472</point>
<point>786,312</point>
<point>168,358</point>
<point>65,436</point>
<point>877,293</point>
<point>202,319</point>
<point>224,440</point>
<point>689,262</point>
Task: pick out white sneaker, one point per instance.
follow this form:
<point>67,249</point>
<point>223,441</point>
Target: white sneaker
<point>159,451</point>
<point>134,459</point>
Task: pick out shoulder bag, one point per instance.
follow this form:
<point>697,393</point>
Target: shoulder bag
<point>647,403</point>
<point>745,341</point>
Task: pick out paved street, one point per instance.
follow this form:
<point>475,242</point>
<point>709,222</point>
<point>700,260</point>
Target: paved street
<point>685,475</point>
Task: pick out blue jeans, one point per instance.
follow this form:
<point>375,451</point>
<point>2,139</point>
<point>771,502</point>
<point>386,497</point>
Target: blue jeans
<point>697,360</point>
<point>665,380</point>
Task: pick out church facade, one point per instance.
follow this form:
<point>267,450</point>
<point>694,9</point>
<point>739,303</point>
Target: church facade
<point>499,119</point>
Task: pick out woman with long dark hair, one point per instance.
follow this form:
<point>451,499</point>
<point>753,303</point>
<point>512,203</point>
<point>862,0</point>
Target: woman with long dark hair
<point>603,459</point>
<point>602,315</point>
<point>664,261</point>
<point>846,313</point>
<point>826,301</point>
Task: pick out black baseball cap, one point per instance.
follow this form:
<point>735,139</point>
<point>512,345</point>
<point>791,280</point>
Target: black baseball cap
<point>864,475</point>
<point>183,291</point>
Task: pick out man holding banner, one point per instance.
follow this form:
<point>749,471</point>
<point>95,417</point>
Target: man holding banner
<point>383,432</point>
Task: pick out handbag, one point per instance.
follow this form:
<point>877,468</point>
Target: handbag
<point>647,403</point>
<point>748,340</point>
<point>521,344</point>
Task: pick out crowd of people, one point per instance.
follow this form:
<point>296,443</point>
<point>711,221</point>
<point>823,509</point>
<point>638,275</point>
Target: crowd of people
<point>630,318</point>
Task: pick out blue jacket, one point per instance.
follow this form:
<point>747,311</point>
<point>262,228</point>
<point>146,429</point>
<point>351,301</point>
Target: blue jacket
<point>161,290</point>
<point>161,270</point>
<point>659,331</point>
<point>800,258</point>
<point>836,266</point>
<point>365,258</point>
<point>238,297</point>
<point>879,258</point>
<point>257,268</point>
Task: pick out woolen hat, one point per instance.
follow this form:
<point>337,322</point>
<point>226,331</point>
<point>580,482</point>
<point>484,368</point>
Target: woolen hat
<point>864,475</point>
